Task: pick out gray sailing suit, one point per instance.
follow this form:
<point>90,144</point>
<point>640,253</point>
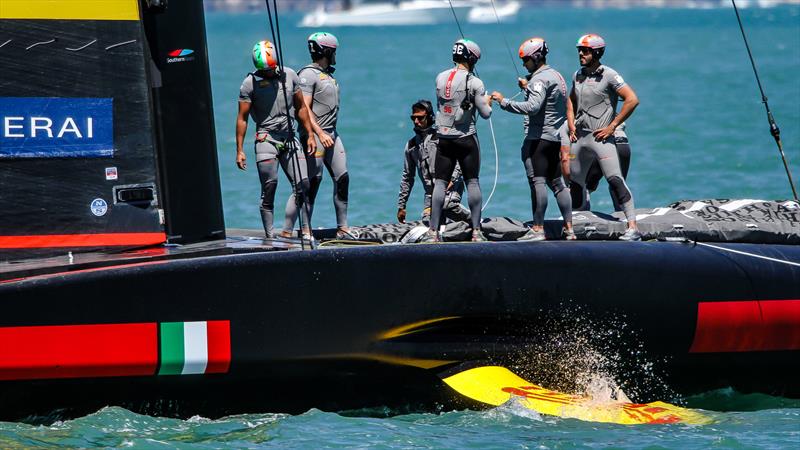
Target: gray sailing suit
<point>545,108</point>
<point>595,174</point>
<point>268,110</point>
<point>458,139</point>
<point>324,92</point>
<point>597,99</point>
<point>420,156</point>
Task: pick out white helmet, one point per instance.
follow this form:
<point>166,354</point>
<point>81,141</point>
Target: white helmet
<point>414,235</point>
<point>534,48</point>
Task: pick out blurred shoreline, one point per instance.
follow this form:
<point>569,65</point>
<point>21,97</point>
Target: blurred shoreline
<point>337,5</point>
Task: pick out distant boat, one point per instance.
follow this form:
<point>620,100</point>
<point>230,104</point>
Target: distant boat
<point>382,13</point>
<point>503,11</point>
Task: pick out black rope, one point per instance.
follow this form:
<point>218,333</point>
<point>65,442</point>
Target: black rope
<point>773,126</point>
<point>299,198</point>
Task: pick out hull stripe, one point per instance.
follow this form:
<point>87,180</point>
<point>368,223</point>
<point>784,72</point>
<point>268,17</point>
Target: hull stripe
<point>195,345</point>
<point>78,351</point>
<point>747,326</point>
<point>82,240</point>
<point>171,348</point>
<point>114,350</point>
<point>70,9</point>
<point>219,346</point>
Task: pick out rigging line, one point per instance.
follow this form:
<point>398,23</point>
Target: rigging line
<point>773,126</point>
<point>505,41</point>
<point>302,203</point>
<point>293,153</point>
<point>458,24</point>
<point>496,167</point>
<point>753,255</point>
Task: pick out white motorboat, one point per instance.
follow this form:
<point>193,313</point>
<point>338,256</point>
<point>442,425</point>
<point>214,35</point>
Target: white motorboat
<point>486,12</point>
<point>382,13</point>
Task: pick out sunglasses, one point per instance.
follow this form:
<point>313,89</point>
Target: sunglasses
<point>584,50</point>
<point>416,118</point>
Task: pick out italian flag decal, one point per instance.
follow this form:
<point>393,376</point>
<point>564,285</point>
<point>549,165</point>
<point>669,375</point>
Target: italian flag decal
<point>115,350</point>
<point>194,347</point>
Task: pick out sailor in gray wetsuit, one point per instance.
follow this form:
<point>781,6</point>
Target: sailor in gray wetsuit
<point>592,121</point>
<point>261,97</point>
<point>459,93</point>
<point>321,93</point>
<point>545,111</point>
<point>595,174</point>
<point>420,154</point>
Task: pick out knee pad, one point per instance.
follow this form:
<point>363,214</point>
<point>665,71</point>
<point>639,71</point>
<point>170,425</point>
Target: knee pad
<point>314,184</point>
<point>343,186</point>
<point>304,186</point>
<point>619,189</point>
<point>557,185</point>
<point>578,200</point>
<point>268,194</point>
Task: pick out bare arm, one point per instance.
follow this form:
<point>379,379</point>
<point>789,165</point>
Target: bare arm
<point>631,101</point>
<point>325,138</point>
<point>304,116</point>
<point>241,130</point>
<point>571,104</point>
<point>534,100</point>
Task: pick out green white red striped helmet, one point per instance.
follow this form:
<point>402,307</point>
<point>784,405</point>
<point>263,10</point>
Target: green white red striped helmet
<point>322,44</point>
<point>534,48</point>
<point>264,56</point>
<point>465,50</point>
<point>594,42</point>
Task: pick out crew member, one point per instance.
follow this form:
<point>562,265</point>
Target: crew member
<point>459,94</point>
<point>321,94</point>
<point>420,155</point>
<point>545,107</point>
<point>592,121</point>
<point>261,96</point>
<point>595,174</point>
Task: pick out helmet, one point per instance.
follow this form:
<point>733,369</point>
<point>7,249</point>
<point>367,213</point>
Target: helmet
<point>414,235</point>
<point>594,42</point>
<point>264,56</point>
<point>428,107</point>
<point>322,44</point>
<point>466,51</point>
<point>534,48</point>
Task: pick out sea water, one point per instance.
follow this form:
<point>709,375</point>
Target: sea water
<point>700,132</point>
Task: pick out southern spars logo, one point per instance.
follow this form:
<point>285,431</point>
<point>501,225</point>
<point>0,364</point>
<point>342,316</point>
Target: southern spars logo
<point>180,55</point>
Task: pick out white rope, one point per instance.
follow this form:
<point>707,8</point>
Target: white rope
<point>749,254</point>
<point>496,166</point>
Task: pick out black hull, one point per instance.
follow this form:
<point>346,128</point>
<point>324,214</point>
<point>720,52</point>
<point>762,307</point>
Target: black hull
<point>321,329</point>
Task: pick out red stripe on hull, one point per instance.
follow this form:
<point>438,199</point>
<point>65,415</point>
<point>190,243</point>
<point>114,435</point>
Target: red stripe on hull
<point>82,240</point>
<point>219,346</point>
<point>78,351</point>
<point>747,326</point>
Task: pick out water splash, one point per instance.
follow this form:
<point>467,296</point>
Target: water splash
<point>593,354</point>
